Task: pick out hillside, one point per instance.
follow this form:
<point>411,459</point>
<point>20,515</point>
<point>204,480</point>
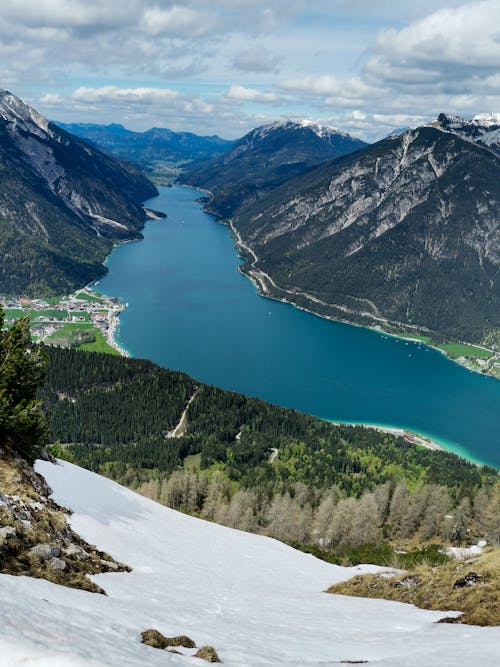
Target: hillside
<point>348,494</point>
<point>63,204</point>
<point>119,413</point>
<point>403,234</point>
<point>263,159</point>
<point>157,151</point>
<point>255,600</point>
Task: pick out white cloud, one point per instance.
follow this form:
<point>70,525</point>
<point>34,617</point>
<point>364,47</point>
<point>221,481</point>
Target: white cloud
<point>333,90</point>
<point>204,63</point>
<point>175,21</point>
<point>243,94</point>
<point>51,99</point>
<point>115,94</point>
<point>452,50</point>
<point>69,13</point>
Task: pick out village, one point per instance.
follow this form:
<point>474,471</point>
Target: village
<point>85,319</point>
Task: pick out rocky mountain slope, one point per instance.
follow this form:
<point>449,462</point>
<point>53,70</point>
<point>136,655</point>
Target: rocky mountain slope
<point>35,537</point>
<point>257,601</point>
<point>483,129</point>
<point>263,159</point>
<point>62,203</point>
<point>145,148</point>
<point>404,233</point>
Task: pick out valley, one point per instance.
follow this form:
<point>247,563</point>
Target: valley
<point>210,322</point>
<point>249,333</point>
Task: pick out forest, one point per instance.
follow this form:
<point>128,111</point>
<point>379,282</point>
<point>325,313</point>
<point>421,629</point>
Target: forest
<point>255,466</point>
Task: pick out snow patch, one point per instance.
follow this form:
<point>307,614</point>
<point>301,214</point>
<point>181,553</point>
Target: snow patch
<point>257,601</point>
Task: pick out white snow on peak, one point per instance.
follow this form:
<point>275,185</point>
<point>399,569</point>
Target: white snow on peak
<point>487,119</point>
<point>483,128</point>
<point>323,131</point>
<point>257,601</point>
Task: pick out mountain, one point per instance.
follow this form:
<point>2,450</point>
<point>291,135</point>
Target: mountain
<point>404,233</point>
<point>63,203</point>
<point>263,159</point>
<point>255,600</point>
<point>147,148</point>
<point>483,129</point>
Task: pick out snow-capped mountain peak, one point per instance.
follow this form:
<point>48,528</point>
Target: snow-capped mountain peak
<point>487,119</point>
<point>483,129</point>
<point>322,131</point>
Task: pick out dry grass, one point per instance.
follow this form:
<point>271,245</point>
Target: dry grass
<point>32,519</point>
<point>472,587</point>
<point>207,653</point>
<point>155,639</point>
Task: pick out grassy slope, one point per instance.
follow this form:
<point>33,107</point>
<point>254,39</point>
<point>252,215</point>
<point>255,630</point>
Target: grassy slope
<point>440,587</point>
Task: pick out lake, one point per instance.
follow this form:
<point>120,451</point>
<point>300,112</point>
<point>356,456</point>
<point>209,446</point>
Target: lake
<point>190,309</point>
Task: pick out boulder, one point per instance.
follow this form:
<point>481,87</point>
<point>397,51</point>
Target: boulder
<point>45,551</point>
<point>57,564</point>
<point>207,653</point>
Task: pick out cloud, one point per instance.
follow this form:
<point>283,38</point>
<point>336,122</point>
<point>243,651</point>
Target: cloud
<point>451,48</point>
<point>115,94</point>
<point>51,99</point>
<point>70,14</point>
<point>256,59</point>
<point>175,21</point>
<point>243,94</point>
<point>206,63</point>
<point>333,90</point>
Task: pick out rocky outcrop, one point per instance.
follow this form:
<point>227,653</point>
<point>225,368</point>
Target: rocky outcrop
<point>35,537</point>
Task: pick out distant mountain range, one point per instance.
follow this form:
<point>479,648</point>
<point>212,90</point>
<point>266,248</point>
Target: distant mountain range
<point>62,204</point>
<point>148,148</point>
<point>263,159</point>
<point>405,232</point>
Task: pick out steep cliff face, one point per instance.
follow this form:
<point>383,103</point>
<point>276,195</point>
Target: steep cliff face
<point>263,159</point>
<point>407,230</point>
<point>62,203</point>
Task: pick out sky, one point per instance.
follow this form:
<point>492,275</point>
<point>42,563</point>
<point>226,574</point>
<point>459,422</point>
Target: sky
<point>225,66</point>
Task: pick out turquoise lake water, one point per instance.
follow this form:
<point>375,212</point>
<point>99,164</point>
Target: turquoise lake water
<point>190,309</point>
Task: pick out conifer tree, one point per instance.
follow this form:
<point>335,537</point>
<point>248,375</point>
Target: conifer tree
<point>22,370</point>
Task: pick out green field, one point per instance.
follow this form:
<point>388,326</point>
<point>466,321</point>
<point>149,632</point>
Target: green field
<point>34,314</point>
<point>84,336</point>
<point>455,350</point>
<point>89,297</point>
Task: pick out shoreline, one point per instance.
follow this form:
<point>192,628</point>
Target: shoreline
<point>114,315</point>
<point>259,278</point>
<point>113,320</point>
<point>113,326</point>
<point>420,439</point>
<point>407,434</point>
